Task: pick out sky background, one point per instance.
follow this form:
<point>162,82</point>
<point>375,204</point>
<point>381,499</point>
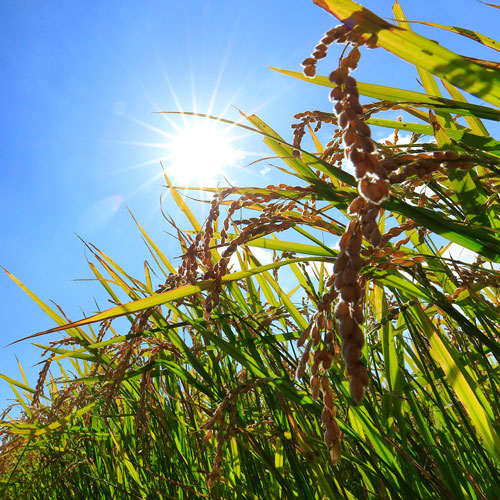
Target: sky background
<point>80,140</point>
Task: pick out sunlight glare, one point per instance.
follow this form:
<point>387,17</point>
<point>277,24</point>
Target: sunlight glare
<point>199,154</point>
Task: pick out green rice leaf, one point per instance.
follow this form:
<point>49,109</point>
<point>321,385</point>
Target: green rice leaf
<point>418,50</point>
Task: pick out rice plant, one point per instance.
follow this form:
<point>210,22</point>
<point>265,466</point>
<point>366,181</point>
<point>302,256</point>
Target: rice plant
<point>375,375</point>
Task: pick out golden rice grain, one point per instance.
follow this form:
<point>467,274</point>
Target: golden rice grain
<point>336,94</point>
<point>330,280</point>
<point>357,313</point>
<point>328,399</point>
<point>327,359</point>
<point>328,438</point>
<point>348,293</point>
<point>357,337</point>
<point>398,261</point>
<point>357,389</point>
<point>340,262</point>
<point>310,71</point>
<point>349,275</point>
<point>310,61</point>
<point>304,336</point>
<point>356,205</point>
<point>339,281</point>
<point>407,263</point>
<point>335,452</point>
<point>341,309</point>
<point>419,258</point>
<point>315,387</point>
<point>326,416</point>
<point>346,325</point>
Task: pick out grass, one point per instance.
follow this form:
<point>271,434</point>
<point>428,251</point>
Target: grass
<point>374,375</point>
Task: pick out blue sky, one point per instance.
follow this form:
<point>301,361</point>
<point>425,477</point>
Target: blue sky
<point>80,140</point>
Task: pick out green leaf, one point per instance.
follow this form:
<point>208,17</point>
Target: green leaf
<point>409,97</point>
<point>459,380</point>
<point>473,35</point>
<point>476,141</point>
<point>169,296</point>
<point>418,50</point>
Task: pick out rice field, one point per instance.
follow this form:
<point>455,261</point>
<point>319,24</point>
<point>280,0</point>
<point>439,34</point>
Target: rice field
<point>361,363</point>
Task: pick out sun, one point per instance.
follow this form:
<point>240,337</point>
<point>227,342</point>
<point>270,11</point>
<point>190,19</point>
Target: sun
<point>199,153</point>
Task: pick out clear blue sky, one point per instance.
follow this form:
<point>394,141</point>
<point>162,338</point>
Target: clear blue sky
<point>80,82</point>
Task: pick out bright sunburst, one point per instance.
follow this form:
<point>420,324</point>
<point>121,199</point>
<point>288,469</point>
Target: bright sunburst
<point>199,153</point>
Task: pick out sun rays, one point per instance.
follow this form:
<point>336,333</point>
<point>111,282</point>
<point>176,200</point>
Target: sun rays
<point>194,150</point>
<point>200,152</point>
